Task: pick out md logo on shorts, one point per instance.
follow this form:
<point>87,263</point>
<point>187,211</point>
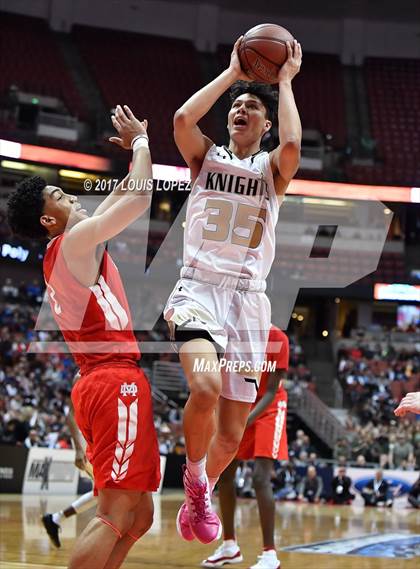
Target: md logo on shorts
<point>395,484</point>
<point>128,389</point>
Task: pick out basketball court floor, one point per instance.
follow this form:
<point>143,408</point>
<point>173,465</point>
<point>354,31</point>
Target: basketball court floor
<point>384,539</point>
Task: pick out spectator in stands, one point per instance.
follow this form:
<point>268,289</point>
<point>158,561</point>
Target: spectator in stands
<point>360,461</point>
<point>302,459</point>
<point>377,491</point>
<point>414,494</point>
<point>9,290</point>
<point>311,486</point>
<point>341,448</point>
<point>341,485</point>
<point>33,439</point>
<point>285,482</point>
<point>402,451</point>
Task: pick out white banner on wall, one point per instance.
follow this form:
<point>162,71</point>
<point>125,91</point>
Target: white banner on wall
<point>399,480</point>
<point>51,471</point>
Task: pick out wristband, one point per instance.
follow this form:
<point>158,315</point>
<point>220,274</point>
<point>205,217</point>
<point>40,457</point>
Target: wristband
<point>138,137</point>
<point>140,143</point>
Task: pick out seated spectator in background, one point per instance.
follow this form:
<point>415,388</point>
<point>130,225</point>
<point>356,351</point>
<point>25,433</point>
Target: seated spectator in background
<point>179,447</point>
<point>402,451</point>
<point>313,459</point>
<point>244,482</point>
<point>414,494</point>
<point>311,487</point>
<point>360,461</point>
<point>341,448</point>
<point>302,459</point>
<point>33,439</point>
<point>377,491</point>
<point>285,483</point>
<point>341,485</point>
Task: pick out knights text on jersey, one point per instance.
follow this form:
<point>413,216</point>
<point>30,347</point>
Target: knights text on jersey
<point>231,216</point>
<point>95,321</point>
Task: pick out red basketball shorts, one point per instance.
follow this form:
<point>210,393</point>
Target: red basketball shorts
<point>113,409</point>
<point>267,436</point>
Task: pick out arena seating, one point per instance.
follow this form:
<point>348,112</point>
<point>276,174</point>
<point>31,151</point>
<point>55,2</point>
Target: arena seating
<point>153,75</point>
<point>33,63</point>
<point>374,380</point>
<point>393,88</point>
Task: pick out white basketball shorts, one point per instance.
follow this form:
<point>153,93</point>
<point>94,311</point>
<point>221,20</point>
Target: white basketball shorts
<point>235,314</point>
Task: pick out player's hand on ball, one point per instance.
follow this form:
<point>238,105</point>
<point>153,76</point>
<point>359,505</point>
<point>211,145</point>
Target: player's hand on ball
<point>235,64</point>
<point>127,127</point>
<point>293,62</point>
<point>409,404</point>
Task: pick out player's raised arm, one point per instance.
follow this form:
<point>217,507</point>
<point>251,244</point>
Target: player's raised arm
<point>135,198</point>
<point>286,157</point>
<point>191,142</point>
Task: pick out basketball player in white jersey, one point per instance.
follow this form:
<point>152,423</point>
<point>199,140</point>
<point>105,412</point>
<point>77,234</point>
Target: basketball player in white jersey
<point>219,303</point>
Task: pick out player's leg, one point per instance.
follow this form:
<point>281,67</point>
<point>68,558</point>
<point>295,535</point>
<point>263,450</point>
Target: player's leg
<point>114,517</point>
<point>196,517</point>
<point>231,421</point>
<point>200,408</point>
<point>266,508</point>
<point>52,522</point>
<point>143,520</point>
<point>227,499</point>
<point>265,499</point>
<point>228,553</point>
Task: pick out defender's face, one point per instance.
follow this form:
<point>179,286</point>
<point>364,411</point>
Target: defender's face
<point>247,120</point>
<point>61,210</point>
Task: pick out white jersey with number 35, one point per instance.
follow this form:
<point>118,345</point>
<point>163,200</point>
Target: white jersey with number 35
<point>231,216</point>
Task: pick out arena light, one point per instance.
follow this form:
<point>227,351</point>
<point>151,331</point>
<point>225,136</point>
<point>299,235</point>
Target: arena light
<point>73,174</point>
<point>396,291</point>
<point>10,149</point>
<point>323,202</point>
<point>349,191</point>
<point>54,156</point>
<point>10,165</point>
<point>64,158</point>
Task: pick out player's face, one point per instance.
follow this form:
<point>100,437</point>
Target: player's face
<point>247,120</point>
<point>61,210</point>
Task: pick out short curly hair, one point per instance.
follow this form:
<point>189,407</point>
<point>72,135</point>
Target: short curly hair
<point>25,206</point>
<point>267,95</point>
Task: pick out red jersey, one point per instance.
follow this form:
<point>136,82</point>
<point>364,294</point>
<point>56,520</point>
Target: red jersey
<point>275,353</point>
<point>95,321</point>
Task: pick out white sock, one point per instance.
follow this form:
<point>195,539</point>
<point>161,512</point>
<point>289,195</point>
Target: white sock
<point>84,502</point>
<point>230,543</point>
<point>56,517</point>
<point>197,469</point>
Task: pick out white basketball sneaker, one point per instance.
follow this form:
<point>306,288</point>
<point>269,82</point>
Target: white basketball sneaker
<point>268,560</point>
<point>227,554</point>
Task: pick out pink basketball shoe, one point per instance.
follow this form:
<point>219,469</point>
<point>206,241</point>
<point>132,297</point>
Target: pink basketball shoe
<point>183,524</point>
<point>204,523</point>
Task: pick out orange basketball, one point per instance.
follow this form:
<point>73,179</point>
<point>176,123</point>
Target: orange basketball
<point>263,51</point>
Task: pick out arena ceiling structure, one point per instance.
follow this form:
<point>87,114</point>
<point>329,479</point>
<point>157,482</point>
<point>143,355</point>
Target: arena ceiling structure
<point>379,10</point>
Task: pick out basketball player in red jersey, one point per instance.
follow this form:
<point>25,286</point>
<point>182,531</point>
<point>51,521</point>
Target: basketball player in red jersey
<point>265,440</point>
<point>112,400</point>
<point>229,247</point>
